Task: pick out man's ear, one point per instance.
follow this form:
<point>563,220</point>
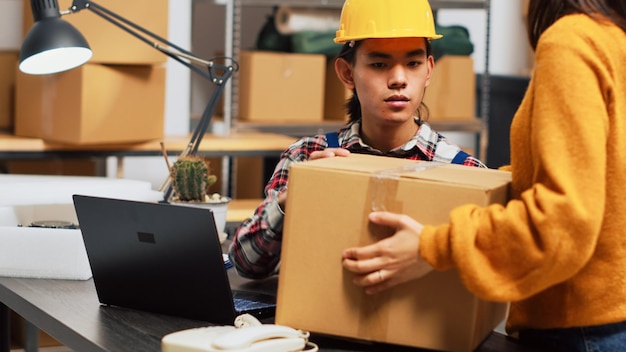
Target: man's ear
<point>344,71</point>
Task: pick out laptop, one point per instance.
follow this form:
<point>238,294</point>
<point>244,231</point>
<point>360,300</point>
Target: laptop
<point>162,258</point>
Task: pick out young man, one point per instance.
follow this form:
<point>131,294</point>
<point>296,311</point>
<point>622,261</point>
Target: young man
<point>386,61</point>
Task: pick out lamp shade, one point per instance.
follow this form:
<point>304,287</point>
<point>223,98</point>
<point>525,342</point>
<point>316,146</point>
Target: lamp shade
<point>53,45</point>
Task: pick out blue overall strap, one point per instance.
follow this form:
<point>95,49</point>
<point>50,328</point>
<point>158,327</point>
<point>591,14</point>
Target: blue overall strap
<point>332,138</point>
<point>460,157</point>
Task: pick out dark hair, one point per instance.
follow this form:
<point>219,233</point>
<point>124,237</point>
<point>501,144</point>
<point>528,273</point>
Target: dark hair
<point>543,13</point>
<point>353,105</point>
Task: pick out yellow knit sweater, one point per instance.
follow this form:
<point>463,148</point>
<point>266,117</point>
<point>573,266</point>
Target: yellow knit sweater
<point>557,251</point>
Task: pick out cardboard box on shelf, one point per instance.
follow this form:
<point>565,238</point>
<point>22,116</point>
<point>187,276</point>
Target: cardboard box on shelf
<point>92,104</point>
<point>110,44</point>
<point>435,312</point>
<point>248,181</point>
<point>451,95</point>
<point>335,95</point>
<point>281,87</point>
<point>8,66</point>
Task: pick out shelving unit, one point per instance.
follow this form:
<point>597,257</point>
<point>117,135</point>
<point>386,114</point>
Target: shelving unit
<point>233,38</point>
<point>233,14</point>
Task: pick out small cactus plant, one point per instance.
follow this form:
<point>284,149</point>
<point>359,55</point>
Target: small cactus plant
<point>191,178</point>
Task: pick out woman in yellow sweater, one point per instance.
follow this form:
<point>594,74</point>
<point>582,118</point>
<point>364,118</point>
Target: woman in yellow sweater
<point>557,250</point>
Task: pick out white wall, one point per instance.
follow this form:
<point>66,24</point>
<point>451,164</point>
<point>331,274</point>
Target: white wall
<point>177,101</point>
<point>177,95</point>
<point>508,48</point>
<point>11,16</point>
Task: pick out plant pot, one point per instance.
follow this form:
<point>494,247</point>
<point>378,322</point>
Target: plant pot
<point>219,209</point>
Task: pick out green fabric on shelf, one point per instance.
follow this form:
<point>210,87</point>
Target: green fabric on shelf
<point>311,42</point>
<point>455,41</point>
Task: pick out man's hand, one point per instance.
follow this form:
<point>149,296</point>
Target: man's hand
<point>329,153</point>
<point>326,153</point>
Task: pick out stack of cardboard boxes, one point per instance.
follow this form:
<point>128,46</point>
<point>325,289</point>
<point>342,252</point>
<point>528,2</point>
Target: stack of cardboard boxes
<point>281,87</point>
<point>451,95</point>
<point>278,87</point>
<point>453,80</point>
<point>117,97</point>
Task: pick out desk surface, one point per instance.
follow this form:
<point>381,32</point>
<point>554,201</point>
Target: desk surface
<point>235,144</point>
<point>69,311</point>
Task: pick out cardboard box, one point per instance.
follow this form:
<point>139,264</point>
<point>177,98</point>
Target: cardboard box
<point>92,104</point>
<point>281,87</point>
<point>327,207</point>
<point>335,95</point>
<point>248,177</point>
<point>8,66</point>
<point>451,95</point>
<point>110,44</point>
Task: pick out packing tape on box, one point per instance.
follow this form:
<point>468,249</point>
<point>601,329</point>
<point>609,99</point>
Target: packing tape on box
<point>383,189</point>
<point>374,317</point>
<point>384,184</point>
<point>290,20</point>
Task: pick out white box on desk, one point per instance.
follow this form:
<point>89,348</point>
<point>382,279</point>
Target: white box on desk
<point>52,253</point>
<point>36,252</point>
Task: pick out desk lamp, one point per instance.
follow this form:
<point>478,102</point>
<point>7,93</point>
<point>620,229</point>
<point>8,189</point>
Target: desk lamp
<point>53,45</point>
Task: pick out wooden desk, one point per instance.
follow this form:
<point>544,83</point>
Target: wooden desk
<point>70,312</point>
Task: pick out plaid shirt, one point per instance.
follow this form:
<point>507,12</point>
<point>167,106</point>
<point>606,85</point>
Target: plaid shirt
<point>255,250</point>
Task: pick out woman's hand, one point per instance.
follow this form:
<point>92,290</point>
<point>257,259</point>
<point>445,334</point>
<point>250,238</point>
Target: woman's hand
<point>329,153</point>
<point>390,261</point>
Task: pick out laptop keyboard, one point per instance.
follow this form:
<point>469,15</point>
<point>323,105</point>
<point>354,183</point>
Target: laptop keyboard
<point>251,301</point>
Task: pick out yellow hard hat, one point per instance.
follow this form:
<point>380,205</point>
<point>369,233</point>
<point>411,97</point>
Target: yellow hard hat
<point>362,19</point>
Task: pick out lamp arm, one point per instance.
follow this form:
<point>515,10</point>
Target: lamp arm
<point>135,30</point>
<point>200,130</point>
